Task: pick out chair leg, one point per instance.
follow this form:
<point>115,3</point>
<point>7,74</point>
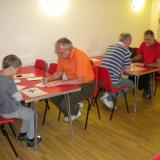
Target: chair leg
<point>47,104</point>
<point>89,107</point>
<point>59,116</point>
<point>29,104</point>
<point>97,108</point>
<point>115,100</point>
<point>14,133</point>
<point>126,101</point>
<point>44,117</point>
<point>156,84</point>
<point>9,140</point>
<point>45,112</point>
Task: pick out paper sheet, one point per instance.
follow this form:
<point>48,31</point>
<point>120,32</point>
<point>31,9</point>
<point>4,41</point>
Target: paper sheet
<point>34,78</point>
<point>33,92</point>
<point>20,87</point>
<point>39,85</point>
<point>135,68</point>
<point>94,59</point>
<point>29,75</point>
<point>17,81</point>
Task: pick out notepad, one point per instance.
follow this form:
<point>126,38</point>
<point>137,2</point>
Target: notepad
<point>17,81</point>
<point>33,92</point>
<point>39,85</point>
<point>94,59</point>
<point>135,68</point>
<point>34,78</point>
<point>20,87</point>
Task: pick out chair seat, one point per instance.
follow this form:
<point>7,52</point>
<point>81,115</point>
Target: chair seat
<point>5,121</point>
<point>117,90</point>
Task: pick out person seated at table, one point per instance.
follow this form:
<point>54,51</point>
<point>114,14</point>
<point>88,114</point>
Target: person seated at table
<point>77,67</point>
<point>10,100</point>
<point>149,54</point>
<point>117,60</point>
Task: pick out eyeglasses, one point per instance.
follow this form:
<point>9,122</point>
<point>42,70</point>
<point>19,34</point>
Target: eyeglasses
<point>57,52</point>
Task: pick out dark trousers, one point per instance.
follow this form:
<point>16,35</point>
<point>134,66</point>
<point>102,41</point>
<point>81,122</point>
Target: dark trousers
<point>86,90</point>
<point>143,81</point>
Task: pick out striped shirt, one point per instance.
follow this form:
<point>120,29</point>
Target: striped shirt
<point>116,59</point>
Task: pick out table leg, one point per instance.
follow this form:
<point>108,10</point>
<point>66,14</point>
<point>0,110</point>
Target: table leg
<point>135,93</point>
<point>67,99</point>
<point>35,124</point>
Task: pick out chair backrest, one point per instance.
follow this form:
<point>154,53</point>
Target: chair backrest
<point>52,68</point>
<point>41,64</point>
<point>5,121</point>
<point>95,70</point>
<point>104,79</point>
<point>92,63</point>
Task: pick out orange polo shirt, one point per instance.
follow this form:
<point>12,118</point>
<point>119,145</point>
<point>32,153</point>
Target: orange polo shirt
<point>77,66</point>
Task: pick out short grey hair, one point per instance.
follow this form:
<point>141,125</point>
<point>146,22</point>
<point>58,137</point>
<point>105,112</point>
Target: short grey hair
<point>66,43</point>
<point>124,36</point>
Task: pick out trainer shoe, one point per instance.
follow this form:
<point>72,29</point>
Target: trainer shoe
<point>73,117</point>
<point>109,104</point>
<point>31,142</point>
<point>104,96</point>
<point>81,105</point>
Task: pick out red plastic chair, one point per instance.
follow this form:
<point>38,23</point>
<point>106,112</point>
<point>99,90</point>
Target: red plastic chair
<point>41,64</point>
<point>92,100</point>
<point>105,83</point>
<point>52,69</point>
<point>4,121</point>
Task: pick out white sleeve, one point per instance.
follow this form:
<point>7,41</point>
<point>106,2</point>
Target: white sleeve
<point>18,96</point>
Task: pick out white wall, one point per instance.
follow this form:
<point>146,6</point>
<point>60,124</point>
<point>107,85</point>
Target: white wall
<point>92,25</point>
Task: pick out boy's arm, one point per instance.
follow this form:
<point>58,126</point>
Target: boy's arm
<point>17,96</point>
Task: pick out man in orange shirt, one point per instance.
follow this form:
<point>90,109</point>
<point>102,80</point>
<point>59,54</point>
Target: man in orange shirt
<point>78,69</point>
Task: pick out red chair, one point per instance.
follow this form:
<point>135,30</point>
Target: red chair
<point>92,100</point>
<point>105,83</point>
<point>52,69</point>
<point>4,121</point>
<point>41,64</point>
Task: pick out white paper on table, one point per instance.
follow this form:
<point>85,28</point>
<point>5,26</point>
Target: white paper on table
<point>94,59</point>
<point>20,87</point>
<point>135,68</point>
<point>28,75</point>
<point>17,81</point>
<point>39,85</point>
<point>34,78</point>
<point>33,92</point>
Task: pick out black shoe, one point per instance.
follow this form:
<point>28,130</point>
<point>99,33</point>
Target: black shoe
<point>22,136</point>
<point>147,93</point>
<point>31,142</point>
